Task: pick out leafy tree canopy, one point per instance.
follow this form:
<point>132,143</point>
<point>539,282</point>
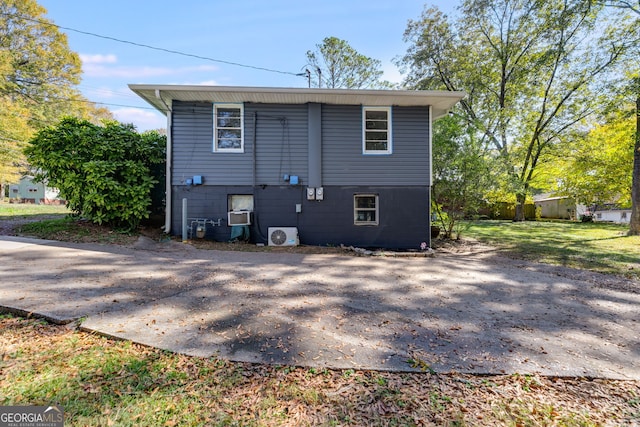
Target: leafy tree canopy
<point>532,69</point>
<point>39,63</point>
<point>38,78</point>
<point>595,168</point>
<point>461,173</point>
<point>341,66</point>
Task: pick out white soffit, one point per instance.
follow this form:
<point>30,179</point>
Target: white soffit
<point>441,101</point>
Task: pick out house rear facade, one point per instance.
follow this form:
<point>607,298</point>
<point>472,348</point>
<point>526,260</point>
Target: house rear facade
<point>336,166</point>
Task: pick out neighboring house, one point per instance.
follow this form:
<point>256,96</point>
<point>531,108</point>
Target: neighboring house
<point>561,207</point>
<point>612,213</point>
<point>338,166</point>
<point>28,191</point>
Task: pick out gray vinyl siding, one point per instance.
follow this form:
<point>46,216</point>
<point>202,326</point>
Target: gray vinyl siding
<point>192,141</point>
<point>343,162</point>
<point>281,145</point>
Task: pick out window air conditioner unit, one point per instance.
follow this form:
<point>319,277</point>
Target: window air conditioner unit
<point>239,218</point>
<point>283,236</point>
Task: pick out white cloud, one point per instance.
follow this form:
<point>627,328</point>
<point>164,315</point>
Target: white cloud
<point>142,119</point>
<point>98,59</point>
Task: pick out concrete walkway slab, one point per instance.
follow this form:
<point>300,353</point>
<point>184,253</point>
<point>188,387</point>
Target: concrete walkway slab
<point>476,313</point>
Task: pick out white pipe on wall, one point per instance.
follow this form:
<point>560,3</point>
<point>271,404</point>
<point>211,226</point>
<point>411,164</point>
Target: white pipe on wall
<point>168,199</point>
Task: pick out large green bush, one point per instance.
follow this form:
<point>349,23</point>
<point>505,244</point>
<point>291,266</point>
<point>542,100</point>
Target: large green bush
<point>105,173</point>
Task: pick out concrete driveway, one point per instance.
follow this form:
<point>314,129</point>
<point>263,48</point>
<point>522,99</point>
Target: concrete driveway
<point>476,313</point>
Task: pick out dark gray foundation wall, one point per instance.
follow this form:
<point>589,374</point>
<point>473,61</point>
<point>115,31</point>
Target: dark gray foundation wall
<point>403,214</point>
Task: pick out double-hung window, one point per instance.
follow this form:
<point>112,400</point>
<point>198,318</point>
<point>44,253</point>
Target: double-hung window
<point>376,130</point>
<point>228,125</point>
<point>365,209</point>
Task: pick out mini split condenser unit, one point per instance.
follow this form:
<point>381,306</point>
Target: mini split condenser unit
<point>239,218</point>
<point>283,236</point>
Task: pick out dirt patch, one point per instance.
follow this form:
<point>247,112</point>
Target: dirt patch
<point>460,246</point>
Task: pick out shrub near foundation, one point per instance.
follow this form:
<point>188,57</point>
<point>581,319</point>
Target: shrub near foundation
<point>104,172</point>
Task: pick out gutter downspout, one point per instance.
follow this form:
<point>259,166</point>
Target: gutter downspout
<point>430,145</point>
<point>253,153</point>
<point>168,199</point>
<point>430,172</point>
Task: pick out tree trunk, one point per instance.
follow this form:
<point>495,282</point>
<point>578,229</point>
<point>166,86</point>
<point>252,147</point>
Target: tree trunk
<point>634,229</point>
<point>520,201</point>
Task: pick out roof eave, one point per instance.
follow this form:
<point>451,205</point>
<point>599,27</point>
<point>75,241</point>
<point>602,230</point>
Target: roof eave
<point>160,95</point>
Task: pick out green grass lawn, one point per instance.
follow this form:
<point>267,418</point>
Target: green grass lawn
<point>601,247</point>
<point>25,210</point>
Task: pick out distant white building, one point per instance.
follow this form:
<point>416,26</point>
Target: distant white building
<point>612,214</point>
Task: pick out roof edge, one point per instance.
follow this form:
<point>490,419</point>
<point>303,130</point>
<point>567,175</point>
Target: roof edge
<point>160,96</point>
<point>274,89</point>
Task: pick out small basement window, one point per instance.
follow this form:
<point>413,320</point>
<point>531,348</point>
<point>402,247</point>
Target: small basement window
<point>376,130</point>
<point>228,125</point>
<point>365,209</point>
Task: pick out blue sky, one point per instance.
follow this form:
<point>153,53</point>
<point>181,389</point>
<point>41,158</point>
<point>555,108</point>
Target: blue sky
<point>272,34</point>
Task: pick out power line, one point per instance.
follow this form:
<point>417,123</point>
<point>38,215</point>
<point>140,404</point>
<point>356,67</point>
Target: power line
<point>161,49</point>
<point>87,101</point>
<point>57,99</point>
<point>108,92</point>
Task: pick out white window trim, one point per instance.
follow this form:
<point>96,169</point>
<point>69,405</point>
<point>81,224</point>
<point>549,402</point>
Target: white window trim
<point>216,149</point>
<point>389,149</point>
<point>356,209</point>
